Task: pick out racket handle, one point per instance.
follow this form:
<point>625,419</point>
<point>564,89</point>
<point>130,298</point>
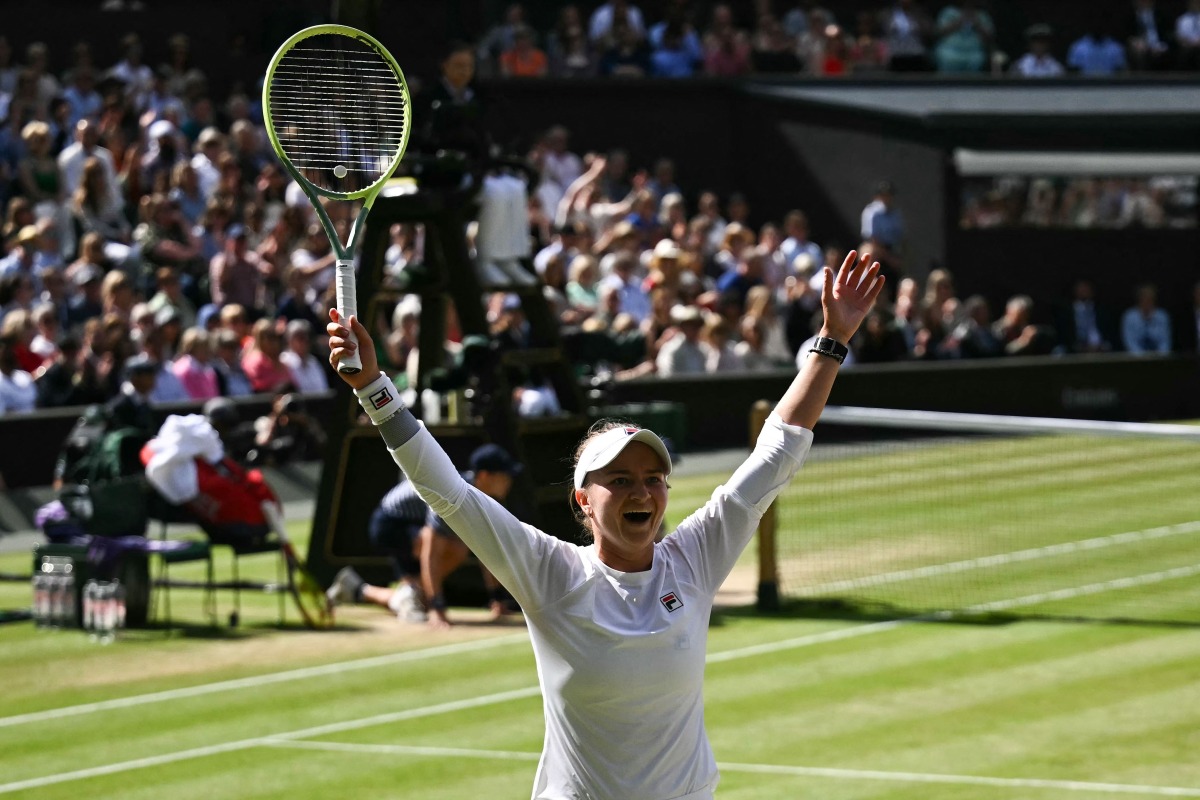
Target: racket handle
<point>347,306</point>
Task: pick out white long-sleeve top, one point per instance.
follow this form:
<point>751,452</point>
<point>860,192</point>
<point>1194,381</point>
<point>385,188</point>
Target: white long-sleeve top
<point>620,655</point>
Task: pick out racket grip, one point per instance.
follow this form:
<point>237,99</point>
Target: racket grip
<point>347,306</point>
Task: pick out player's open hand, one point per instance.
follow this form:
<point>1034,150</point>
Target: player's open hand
<point>848,297</point>
<point>341,345</point>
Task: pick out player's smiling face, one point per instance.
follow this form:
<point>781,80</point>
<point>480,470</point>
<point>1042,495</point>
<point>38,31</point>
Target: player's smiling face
<point>626,501</point>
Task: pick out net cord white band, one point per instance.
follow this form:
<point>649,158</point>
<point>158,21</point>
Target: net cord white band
<point>990,423</point>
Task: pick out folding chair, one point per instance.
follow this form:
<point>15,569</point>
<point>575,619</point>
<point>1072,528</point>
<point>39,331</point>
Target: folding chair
<point>198,550</point>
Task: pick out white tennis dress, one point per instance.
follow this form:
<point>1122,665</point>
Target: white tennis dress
<point>620,655</point>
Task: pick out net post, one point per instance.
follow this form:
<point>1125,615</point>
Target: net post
<point>768,579</point>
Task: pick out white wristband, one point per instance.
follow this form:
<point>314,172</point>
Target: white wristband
<point>380,399</point>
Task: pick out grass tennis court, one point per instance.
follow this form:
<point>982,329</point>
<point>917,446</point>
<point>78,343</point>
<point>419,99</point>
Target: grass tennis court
<point>797,707</point>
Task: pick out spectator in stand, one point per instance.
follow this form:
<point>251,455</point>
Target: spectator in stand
<point>683,353</point>
<point>93,209</point>
<point>1017,332</point>
<point>965,33</point>
<point>235,275</point>
<point>37,57</point>
<point>288,433</point>
<point>972,336</point>
<point>1038,62</point>
<point>582,288</point>
<point>17,390</point>
<point>721,356</point>
<point>883,226</point>
<point>1146,328</point>
<point>47,332</point>
<point>615,13</point>
<point>18,325</point>
<point>624,53</point>
<point>1187,37</point>
<point>772,48</point>
<point>1148,34</point>
<point>230,376</point>
<point>87,303</point>
<point>726,48</point>
<point>130,408</point>
<point>879,340</point>
<point>130,71</point>
<point>1096,52</point>
<point>38,176</point>
<point>234,318</point>
<point>210,144</point>
<point>907,29</point>
<point>167,386</point>
<point>62,382</point>
<point>83,101</point>
<point>1083,325</point>
<point>308,374</point>
<point>21,260</point>
<point>193,368</point>
<point>500,39</point>
<point>185,191</point>
<point>165,240</point>
<point>744,275</point>
<point>676,51</point>
<point>118,295</point>
<point>170,295</point>
<point>524,59</point>
<point>867,52</point>
<point>621,268</point>
<point>261,363</point>
<point>568,46</point>
<point>796,228</point>
<point>558,166</point>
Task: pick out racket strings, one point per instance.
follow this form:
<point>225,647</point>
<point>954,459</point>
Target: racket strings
<point>339,111</point>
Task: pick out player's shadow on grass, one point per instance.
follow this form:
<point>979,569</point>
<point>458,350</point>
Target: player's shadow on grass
<point>851,611</point>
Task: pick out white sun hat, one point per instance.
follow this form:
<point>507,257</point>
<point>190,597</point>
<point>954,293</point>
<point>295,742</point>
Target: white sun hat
<point>602,450</point>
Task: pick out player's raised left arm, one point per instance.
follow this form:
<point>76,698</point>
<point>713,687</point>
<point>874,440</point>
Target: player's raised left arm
<point>845,300</point>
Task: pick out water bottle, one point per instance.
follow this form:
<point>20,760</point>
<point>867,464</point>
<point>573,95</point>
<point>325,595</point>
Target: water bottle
<point>90,591</point>
<point>68,590</point>
<point>41,600</point>
<point>106,612</point>
<point>57,600</point>
<point>119,598</point>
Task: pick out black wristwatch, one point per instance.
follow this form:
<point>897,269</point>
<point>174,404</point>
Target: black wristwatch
<point>832,348</point>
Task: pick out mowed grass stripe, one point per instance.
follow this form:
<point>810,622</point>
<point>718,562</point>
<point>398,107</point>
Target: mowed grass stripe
<point>1011,701</point>
<point>99,739</point>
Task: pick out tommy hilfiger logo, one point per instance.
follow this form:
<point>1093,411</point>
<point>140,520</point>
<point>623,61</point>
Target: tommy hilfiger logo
<point>380,399</point>
<point>671,601</point>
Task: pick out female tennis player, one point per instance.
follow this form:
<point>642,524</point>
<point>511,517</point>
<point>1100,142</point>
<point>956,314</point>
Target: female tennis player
<point>620,626</point>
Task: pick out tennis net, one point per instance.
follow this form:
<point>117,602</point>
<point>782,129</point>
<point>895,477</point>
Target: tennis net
<point>905,513</point>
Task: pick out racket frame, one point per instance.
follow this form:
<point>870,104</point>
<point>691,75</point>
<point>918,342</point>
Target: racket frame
<point>345,280</point>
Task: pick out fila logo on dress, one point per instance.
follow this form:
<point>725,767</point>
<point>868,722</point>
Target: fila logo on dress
<point>671,601</point>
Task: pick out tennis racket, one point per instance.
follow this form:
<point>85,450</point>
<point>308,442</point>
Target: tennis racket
<point>314,607</point>
<point>338,114</point>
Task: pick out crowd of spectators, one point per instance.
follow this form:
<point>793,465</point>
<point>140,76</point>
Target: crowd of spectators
<point>1164,201</point>
<point>803,37</point>
<point>644,285</point>
<point>148,230</point>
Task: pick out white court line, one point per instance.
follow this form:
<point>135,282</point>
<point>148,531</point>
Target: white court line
<point>258,741</point>
<point>1001,559</point>
<point>771,769</point>
<point>532,691</point>
<point>396,716</point>
<point>262,680</point>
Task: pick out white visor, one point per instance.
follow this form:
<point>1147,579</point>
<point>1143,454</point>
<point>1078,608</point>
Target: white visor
<point>601,450</point>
